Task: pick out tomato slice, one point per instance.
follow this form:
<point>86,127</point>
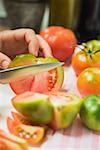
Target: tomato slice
<point>3,145</point>
<point>20,119</point>
<point>10,142</point>
<point>32,134</point>
<point>9,145</point>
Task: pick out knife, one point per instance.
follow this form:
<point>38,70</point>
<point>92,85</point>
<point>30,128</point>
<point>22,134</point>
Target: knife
<point>17,73</point>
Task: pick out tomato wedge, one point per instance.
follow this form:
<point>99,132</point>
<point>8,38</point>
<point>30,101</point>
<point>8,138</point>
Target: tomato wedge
<point>10,142</point>
<point>32,134</point>
<point>19,119</point>
<point>3,145</point>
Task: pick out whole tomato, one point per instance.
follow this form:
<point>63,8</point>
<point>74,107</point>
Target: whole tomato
<point>90,112</point>
<point>79,62</point>
<point>93,57</point>
<point>61,40</point>
<point>88,81</point>
<point>88,56</point>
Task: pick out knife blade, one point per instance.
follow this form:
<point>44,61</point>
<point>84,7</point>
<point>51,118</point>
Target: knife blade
<point>17,73</point>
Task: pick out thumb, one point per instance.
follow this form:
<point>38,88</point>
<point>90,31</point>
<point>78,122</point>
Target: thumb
<point>4,61</point>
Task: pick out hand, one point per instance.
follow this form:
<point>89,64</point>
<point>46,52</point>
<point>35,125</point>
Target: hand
<point>13,42</point>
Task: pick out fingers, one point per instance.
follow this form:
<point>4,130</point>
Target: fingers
<point>4,61</point>
<point>34,42</point>
<point>44,46</point>
<point>21,41</point>
<point>30,38</point>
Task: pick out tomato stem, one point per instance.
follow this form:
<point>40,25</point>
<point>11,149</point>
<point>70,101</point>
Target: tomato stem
<point>97,51</point>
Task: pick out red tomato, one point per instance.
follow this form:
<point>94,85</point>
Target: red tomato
<point>32,134</point>
<point>61,40</point>
<point>89,81</point>
<point>79,62</point>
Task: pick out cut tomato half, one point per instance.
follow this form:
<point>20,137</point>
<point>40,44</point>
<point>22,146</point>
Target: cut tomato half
<point>43,83</point>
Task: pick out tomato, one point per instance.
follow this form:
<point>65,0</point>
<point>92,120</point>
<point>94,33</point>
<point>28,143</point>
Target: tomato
<point>43,82</point>
<point>79,62</point>
<point>61,40</point>
<point>89,56</point>
<point>3,145</point>
<point>10,142</point>
<point>53,109</point>
<point>48,81</point>
<point>19,119</point>
<point>90,112</point>
<point>35,107</point>
<point>9,145</point>
<point>66,107</point>
<point>94,53</point>
<point>25,83</point>
<point>88,81</point>
<point>32,134</point>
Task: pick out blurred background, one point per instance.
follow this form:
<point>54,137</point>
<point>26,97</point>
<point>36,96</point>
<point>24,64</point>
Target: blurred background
<point>82,16</point>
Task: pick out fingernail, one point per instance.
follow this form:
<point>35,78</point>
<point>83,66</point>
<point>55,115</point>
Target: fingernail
<point>4,64</point>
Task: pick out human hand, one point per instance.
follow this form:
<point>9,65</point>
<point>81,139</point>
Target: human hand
<point>14,42</point>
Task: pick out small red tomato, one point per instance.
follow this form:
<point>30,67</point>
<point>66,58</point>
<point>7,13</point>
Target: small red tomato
<point>61,40</point>
<point>89,81</point>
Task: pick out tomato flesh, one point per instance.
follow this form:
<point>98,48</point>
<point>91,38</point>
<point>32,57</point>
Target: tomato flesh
<point>66,107</point>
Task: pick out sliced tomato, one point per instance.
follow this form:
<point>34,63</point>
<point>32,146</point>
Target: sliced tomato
<point>10,142</point>
<point>48,81</point>
<point>23,85</point>
<point>9,145</point>
<point>20,119</point>
<point>32,134</point>
<point>43,83</point>
<point>3,145</point>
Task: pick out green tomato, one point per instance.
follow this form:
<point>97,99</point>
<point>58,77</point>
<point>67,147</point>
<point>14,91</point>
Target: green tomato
<point>93,52</point>
<point>66,106</point>
<point>93,44</point>
<point>90,112</point>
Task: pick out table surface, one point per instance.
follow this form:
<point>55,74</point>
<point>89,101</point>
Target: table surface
<point>76,137</point>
